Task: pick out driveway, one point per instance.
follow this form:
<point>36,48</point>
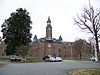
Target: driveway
<point>46,68</point>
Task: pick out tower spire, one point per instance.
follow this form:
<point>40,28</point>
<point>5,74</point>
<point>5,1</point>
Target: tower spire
<point>48,21</point>
<point>49,29</point>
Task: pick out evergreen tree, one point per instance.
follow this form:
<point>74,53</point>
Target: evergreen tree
<point>16,30</point>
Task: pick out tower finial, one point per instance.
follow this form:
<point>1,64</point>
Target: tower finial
<point>48,21</point>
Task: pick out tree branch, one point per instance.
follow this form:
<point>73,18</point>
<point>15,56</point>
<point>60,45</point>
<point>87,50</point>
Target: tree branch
<point>97,15</point>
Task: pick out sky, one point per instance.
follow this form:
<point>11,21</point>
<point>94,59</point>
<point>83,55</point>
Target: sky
<point>61,13</point>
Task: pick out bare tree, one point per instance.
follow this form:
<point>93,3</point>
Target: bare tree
<point>90,20</point>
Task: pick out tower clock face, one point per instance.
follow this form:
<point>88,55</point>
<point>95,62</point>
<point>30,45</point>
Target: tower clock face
<point>48,23</point>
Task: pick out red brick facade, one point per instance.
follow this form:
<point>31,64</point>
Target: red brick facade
<point>51,46</point>
<point>2,46</point>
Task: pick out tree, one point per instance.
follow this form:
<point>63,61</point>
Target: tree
<point>82,48</point>
<point>90,20</point>
<point>22,50</point>
<point>16,30</point>
<point>78,47</point>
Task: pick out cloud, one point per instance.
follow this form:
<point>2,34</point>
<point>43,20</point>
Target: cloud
<point>61,13</point>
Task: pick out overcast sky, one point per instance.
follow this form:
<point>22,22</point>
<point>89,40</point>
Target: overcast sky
<point>61,13</point>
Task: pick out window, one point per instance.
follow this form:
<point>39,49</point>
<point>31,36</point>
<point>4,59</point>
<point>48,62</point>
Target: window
<point>49,45</point>
<point>65,55</point>
<point>48,28</point>
<point>49,38</point>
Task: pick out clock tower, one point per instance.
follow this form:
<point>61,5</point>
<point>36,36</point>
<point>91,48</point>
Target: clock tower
<point>49,30</point>
<point>48,43</point>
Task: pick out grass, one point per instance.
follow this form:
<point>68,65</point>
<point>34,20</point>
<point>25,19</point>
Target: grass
<point>77,59</point>
<point>4,58</point>
<point>85,72</point>
<point>28,59</point>
<point>32,59</point>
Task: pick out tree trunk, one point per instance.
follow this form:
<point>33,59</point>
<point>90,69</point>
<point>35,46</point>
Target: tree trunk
<point>97,47</point>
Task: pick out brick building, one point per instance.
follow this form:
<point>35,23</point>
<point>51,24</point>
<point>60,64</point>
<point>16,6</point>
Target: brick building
<point>49,45</point>
<point>2,46</point>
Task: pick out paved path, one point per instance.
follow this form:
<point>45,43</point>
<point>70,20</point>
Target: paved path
<point>46,68</point>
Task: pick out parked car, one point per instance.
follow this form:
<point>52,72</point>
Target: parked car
<point>58,59</point>
<point>15,58</point>
<point>46,58</point>
<point>93,58</point>
<point>52,59</point>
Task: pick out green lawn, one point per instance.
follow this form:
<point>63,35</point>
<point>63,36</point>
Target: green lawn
<point>4,58</point>
<point>85,72</point>
<point>82,59</point>
<point>31,59</point>
<point>28,59</point>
